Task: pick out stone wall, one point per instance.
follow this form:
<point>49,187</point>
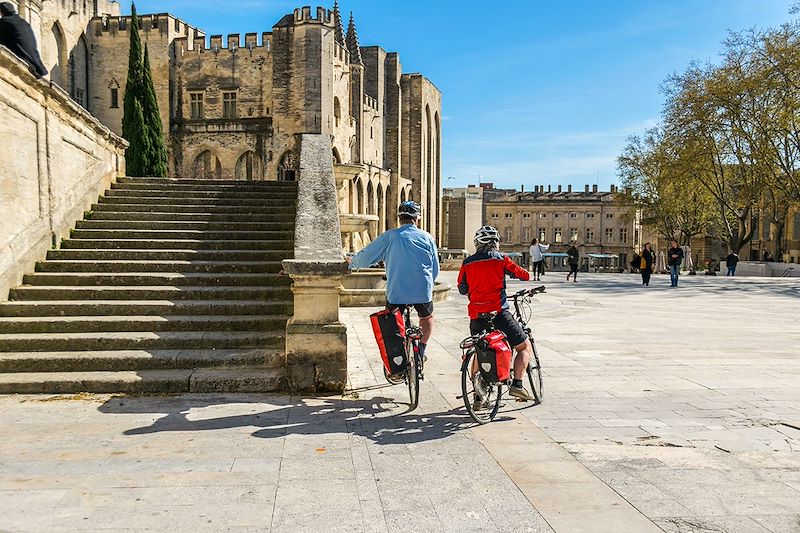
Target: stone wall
<point>55,161</point>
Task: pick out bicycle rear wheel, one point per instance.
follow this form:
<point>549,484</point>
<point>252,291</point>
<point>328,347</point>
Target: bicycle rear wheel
<point>535,376</point>
<point>412,375</point>
<point>480,412</point>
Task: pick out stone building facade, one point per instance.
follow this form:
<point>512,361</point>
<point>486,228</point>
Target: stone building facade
<point>462,214</point>
<point>235,109</point>
<point>559,217</point>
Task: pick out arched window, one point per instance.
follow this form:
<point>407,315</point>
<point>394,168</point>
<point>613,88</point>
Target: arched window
<point>248,166</point>
<point>55,52</point>
<point>370,199</point>
<point>287,167</point>
<point>359,197</point>
<point>337,111</point>
<point>429,181</point>
<point>206,166</point>
<point>336,157</point>
<point>79,73</point>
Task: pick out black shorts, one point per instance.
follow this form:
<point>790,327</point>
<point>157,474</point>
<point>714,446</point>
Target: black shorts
<point>505,322</point>
<point>423,310</point>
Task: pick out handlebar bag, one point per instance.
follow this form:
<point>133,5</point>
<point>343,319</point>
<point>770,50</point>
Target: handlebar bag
<point>494,357</point>
<point>390,332</point>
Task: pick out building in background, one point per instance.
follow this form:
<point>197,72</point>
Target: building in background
<point>462,213</point>
<point>560,217</point>
<point>234,109</point>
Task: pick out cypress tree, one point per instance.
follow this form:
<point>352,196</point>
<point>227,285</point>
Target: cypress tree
<point>157,156</point>
<point>134,129</point>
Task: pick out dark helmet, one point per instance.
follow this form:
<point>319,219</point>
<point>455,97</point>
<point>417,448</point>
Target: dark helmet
<point>409,209</point>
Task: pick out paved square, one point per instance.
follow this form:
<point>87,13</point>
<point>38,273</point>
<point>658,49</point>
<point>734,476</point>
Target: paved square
<point>665,409</point>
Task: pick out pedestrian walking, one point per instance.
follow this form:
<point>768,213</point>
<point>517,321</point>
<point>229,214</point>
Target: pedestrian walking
<point>675,254</point>
<point>646,263</point>
<point>537,258</point>
<point>16,35</point>
<point>730,262</point>
<point>574,261</point>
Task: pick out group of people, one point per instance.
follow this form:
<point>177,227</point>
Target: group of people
<point>645,262</point>
<point>412,264</point>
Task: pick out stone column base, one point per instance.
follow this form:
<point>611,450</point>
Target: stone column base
<point>316,357</point>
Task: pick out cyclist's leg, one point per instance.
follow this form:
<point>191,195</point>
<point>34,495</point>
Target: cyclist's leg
<point>425,312</point>
<point>517,338</point>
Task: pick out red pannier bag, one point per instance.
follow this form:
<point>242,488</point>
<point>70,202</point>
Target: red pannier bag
<point>390,334</point>
<point>494,357</point>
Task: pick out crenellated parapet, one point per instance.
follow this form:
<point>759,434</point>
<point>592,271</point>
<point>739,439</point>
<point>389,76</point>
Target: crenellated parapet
<point>323,16</point>
<point>229,43</point>
<point>163,23</point>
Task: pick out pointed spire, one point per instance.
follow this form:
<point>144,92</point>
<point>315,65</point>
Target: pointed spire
<point>352,42</point>
<point>339,31</point>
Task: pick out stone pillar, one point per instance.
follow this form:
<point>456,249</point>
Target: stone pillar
<point>316,342</point>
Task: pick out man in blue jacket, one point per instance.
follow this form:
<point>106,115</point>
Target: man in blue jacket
<point>412,264</point>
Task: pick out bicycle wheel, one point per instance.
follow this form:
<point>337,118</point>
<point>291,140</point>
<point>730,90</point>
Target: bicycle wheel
<point>535,376</point>
<point>488,409</point>
<point>412,375</point>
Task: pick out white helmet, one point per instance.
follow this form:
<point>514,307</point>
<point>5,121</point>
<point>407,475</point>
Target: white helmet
<point>487,235</point>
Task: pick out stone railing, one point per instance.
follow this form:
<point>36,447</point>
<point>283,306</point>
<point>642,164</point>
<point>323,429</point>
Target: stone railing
<point>316,342</point>
<point>55,160</point>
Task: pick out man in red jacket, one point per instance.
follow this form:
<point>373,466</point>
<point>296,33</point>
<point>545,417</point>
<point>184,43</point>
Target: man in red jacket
<point>483,278</point>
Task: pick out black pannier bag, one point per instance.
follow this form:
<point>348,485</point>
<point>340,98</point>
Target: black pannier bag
<point>494,357</point>
<point>390,334</point>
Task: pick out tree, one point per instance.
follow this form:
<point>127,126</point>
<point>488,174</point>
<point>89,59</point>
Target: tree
<point>157,157</point>
<point>141,123</point>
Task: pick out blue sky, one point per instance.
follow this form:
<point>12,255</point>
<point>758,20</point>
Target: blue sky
<point>534,92</point>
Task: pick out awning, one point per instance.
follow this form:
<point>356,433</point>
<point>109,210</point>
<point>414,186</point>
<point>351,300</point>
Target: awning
<point>603,256</point>
<point>555,255</point>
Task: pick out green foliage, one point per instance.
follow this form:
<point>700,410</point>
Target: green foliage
<point>141,122</point>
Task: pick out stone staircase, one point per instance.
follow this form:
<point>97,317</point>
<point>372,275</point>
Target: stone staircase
<point>166,286</point>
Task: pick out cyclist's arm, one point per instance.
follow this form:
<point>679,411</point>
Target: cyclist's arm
<point>515,271</point>
<point>374,252</point>
<point>435,253</point>
<point>463,287</point>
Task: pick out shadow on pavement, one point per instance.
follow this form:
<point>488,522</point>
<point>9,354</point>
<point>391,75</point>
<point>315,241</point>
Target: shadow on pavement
<point>377,419</point>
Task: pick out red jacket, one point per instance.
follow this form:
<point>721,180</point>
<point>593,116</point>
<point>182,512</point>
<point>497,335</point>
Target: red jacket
<point>483,278</point>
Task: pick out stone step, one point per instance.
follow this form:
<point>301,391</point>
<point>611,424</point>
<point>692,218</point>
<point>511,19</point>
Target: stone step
<point>44,292</point>
<point>211,195</point>
<point>166,255</point>
<point>189,217</point>
<point>249,267</point>
<point>156,278</point>
<point>146,381</point>
<point>84,324</point>
<point>286,211</point>
<point>177,244</point>
<point>145,307</point>
<point>115,360</point>
<point>200,235</point>
<point>185,225</point>
<point>215,183</point>
<point>211,202</point>
<point>173,186</point>
<point>140,340</point>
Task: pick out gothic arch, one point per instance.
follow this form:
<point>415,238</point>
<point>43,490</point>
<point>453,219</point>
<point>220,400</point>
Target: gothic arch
<point>337,111</point>
<point>437,172</point>
<point>359,197</point>
<point>57,55</point>
<point>370,198</point>
<point>206,166</point>
<point>336,157</point>
<point>381,209</point>
<point>428,162</point>
<point>79,72</point>
<point>248,166</point>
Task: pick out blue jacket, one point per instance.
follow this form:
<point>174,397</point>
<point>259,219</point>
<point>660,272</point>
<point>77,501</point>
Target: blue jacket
<point>412,263</point>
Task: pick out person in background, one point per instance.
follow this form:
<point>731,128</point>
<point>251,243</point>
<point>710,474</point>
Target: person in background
<point>675,255</point>
<point>731,262</point>
<point>574,261</point>
<point>646,263</point>
<point>17,36</point>
<point>537,258</point>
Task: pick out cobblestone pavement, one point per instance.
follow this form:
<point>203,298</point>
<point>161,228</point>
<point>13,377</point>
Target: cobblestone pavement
<point>665,409</point>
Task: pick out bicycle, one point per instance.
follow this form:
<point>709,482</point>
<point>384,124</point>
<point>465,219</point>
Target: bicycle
<point>492,393</point>
<point>413,372</point>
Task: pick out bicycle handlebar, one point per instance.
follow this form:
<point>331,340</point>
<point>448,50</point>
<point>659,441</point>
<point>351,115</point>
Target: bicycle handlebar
<point>527,292</point>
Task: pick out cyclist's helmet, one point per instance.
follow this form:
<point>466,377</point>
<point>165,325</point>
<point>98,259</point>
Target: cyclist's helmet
<point>409,209</point>
<point>487,235</point>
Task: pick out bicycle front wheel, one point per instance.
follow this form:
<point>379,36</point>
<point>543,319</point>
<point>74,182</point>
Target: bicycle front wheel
<point>481,408</point>
<point>412,375</point>
<point>535,376</point>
